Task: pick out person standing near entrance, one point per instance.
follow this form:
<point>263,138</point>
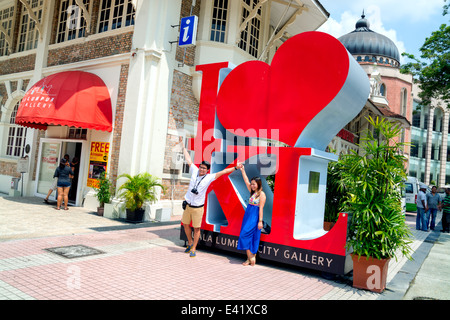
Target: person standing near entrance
<point>433,202</point>
<point>54,186</point>
<point>421,219</point>
<point>63,173</point>
<point>75,166</point>
<point>195,198</point>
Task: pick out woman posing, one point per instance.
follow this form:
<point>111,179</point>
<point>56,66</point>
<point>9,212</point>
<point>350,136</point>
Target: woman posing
<point>253,217</point>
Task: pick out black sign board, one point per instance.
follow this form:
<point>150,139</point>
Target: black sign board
<point>315,260</point>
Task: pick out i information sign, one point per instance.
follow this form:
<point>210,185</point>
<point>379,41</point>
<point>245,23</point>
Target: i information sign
<point>188,31</point>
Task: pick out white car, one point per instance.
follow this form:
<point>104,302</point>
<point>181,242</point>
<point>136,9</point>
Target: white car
<point>411,190</point>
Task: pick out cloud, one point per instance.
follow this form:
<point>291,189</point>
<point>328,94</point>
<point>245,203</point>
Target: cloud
<point>392,11</point>
<point>415,11</point>
<point>348,21</point>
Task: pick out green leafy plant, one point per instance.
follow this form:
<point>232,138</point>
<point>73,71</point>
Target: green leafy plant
<point>139,189</point>
<point>378,228</point>
<point>271,182</point>
<point>336,192</point>
<point>104,190</point>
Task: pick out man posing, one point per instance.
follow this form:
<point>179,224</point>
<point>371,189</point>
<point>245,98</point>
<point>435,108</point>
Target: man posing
<point>195,197</point>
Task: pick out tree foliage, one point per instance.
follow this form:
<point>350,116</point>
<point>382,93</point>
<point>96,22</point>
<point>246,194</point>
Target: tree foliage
<point>432,70</point>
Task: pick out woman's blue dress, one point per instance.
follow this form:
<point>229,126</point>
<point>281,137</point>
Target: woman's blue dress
<point>250,234</point>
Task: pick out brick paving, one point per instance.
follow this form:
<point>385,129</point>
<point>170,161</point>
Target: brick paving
<point>142,262</point>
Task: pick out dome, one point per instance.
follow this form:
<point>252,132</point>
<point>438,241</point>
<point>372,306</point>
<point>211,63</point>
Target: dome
<point>363,41</point>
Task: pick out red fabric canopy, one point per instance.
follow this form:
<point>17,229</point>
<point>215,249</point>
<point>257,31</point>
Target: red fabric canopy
<point>72,98</point>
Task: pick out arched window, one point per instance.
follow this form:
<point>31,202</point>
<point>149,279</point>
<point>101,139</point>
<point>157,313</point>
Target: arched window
<point>403,101</point>
<point>383,90</point>
<point>15,144</point>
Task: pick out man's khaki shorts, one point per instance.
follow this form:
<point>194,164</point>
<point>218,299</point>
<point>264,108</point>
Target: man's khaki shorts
<point>192,214</point>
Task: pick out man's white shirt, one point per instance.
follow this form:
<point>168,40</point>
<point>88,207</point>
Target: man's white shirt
<point>201,183</point>
<point>421,196</point>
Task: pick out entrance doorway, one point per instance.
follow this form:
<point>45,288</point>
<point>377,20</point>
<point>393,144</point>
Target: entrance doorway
<point>73,151</point>
<point>50,153</point>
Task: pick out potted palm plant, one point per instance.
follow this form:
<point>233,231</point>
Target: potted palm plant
<point>137,190</point>
<point>378,230</point>
<point>104,192</point>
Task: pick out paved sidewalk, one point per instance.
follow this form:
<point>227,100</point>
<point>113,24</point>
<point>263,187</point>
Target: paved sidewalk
<point>432,282</point>
<point>147,261</point>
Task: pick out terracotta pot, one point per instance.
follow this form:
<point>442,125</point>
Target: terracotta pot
<point>100,211</point>
<point>369,274</point>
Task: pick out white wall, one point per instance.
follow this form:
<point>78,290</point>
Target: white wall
<point>149,88</point>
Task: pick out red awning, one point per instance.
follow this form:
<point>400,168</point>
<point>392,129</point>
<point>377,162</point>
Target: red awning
<point>72,98</point>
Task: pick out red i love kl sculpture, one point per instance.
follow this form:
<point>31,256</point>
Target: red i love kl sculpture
<point>311,90</point>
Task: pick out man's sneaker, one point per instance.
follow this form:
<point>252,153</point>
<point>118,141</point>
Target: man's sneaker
<point>192,254</point>
<point>188,249</point>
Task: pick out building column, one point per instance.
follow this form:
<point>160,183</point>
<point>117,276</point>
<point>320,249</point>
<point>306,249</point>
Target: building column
<point>148,90</point>
<point>428,147</point>
<point>443,164</point>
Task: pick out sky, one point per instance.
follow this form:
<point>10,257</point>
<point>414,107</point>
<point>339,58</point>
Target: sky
<point>406,22</point>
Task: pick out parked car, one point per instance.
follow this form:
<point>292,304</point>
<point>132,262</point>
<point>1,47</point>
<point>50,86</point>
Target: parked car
<point>411,190</point>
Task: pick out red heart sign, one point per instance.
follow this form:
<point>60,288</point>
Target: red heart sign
<point>307,73</point>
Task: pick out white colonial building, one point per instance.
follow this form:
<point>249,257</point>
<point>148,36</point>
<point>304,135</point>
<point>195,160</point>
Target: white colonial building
<point>430,142</point>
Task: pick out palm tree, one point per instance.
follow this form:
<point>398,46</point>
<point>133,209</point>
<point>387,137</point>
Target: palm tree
<point>138,189</point>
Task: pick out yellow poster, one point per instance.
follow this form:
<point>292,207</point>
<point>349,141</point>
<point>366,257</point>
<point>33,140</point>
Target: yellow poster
<point>98,162</point>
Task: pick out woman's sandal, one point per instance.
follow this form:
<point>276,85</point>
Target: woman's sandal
<point>253,261</point>
<point>246,263</point>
